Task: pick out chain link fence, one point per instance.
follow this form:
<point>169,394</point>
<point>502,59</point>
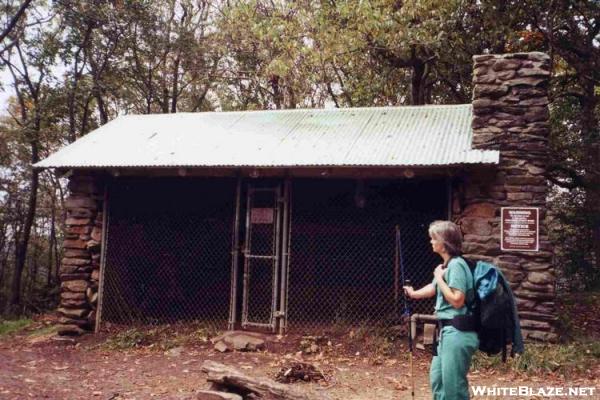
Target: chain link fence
<point>168,255</point>
<point>170,241</point>
<point>343,267</point>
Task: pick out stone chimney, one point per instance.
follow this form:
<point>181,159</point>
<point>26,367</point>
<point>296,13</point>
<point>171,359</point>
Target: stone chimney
<point>510,114</point>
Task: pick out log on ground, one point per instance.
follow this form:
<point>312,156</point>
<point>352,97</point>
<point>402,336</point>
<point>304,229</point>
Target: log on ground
<point>238,382</point>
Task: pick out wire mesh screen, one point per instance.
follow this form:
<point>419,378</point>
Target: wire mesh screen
<point>261,255</point>
<point>168,254</point>
<point>342,249</point>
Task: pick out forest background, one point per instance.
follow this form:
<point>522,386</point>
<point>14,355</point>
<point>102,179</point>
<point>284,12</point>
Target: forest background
<point>68,67</point>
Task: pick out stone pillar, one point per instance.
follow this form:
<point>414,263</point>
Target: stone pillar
<point>80,267</point>
<point>510,114</point>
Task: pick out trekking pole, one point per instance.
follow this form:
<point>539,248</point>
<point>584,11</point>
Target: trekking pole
<point>406,313</point>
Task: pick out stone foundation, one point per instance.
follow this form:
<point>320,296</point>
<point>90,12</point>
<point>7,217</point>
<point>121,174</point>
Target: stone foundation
<point>80,267</point>
<point>510,114</point>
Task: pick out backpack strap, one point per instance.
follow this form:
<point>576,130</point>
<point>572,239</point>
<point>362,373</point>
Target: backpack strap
<point>471,305</point>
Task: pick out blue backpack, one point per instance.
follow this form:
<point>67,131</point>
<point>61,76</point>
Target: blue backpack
<point>494,310</point>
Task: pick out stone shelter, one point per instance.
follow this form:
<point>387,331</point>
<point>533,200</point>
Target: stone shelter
<point>289,219</point>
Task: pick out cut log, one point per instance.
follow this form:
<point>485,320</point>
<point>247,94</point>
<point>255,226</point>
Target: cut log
<point>212,395</point>
<point>238,382</point>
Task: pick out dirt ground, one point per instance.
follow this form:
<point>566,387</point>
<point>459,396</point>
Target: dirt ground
<point>34,365</point>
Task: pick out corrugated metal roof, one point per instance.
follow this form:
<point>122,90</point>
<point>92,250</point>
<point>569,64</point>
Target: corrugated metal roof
<point>384,136</point>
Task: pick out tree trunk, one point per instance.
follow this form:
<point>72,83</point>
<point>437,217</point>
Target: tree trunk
<point>418,84</point>
<point>97,92</point>
<point>23,243</point>
<point>276,91</point>
<point>175,89</point>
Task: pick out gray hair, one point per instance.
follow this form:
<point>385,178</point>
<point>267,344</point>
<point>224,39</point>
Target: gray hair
<point>449,234</point>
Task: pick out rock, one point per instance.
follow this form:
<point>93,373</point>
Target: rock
<point>221,347</point>
<point>79,185</point>
<point>82,323</point>
<point>477,226</point>
<point>525,180</point>
<point>484,79</point>
<point>79,230</point>
<point>175,351</point>
<point>527,81</point>
<point>213,395</point>
<point>492,91</point>
<point>74,244</point>
<point>526,294</point>
<point>80,202</point>
<point>551,337</point>
<point>93,245</point>
<point>77,221</point>
<point>519,196</point>
<point>243,342</point>
<point>76,261</point>
<point>536,113</point>
<point>75,286</point>
<point>95,275</point>
<point>76,253</point>
<point>536,315</point>
<point>481,239</point>
<point>481,58</point>
<point>536,101</point>
<point>512,275</point>
<point>69,330</point>
<point>501,65</point>
<point>538,288</point>
<point>506,75</point>
<point>523,304</point>
<point>97,234</point>
<point>536,266</point>
<point>75,277</point>
<point>91,318</point>
<point>478,71</point>
<point>72,296</point>
<point>481,210</point>
<point>91,295</point>
<point>68,269</point>
<point>533,72</point>
<point>77,304</point>
<point>80,213</point>
<point>540,278</point>
<point>73,313</point>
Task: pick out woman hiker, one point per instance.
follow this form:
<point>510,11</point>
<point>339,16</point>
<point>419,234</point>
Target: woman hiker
<point>453,287</point>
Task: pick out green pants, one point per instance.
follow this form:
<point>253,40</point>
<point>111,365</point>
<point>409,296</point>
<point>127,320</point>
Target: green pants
<point>448,373</point>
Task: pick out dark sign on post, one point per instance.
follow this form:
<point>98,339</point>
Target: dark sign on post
<point>520,228</point>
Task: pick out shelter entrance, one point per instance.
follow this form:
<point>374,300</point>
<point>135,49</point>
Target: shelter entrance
<point>274,253</point>
<point>264,254</point>
<point>321,252</point>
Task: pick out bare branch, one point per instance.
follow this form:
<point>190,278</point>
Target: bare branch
<point>14,20</point>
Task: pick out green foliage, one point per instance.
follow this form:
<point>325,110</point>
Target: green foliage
<point>571,229</point>
<point>12,326</point>
<point>161,338</point>
<point>539,359</point>
<point>128,339</point>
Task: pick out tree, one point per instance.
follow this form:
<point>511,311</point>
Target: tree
<point>29,60</point>
<point>571,32</point>
<point>12,21</point>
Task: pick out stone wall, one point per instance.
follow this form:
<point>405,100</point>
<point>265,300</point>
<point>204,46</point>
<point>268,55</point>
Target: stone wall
<point>80,267</point>
<point>510,114</point>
